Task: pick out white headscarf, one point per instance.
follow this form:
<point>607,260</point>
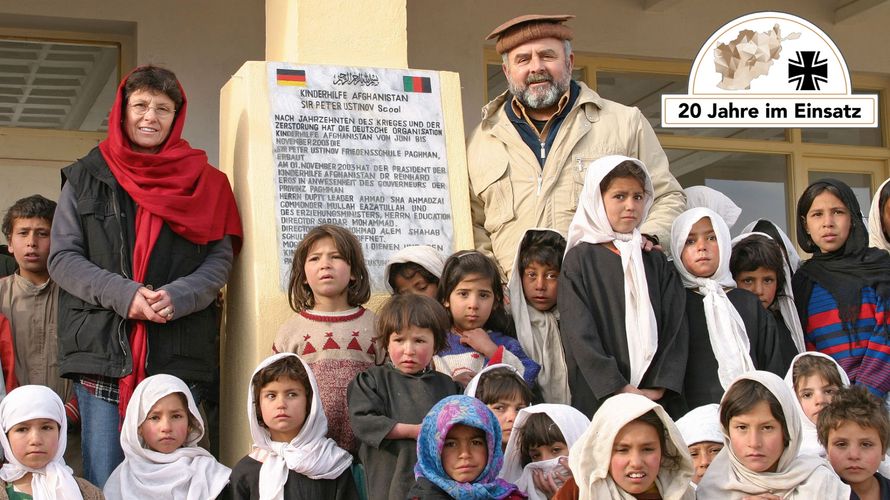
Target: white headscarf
<point>591,455</point>
<point>729,339</point>
<point>310,453</point>
<point>425,256</point>
<point>538,334</point>
<point>785,298</point>
<point>703,196</point>
<point>790,250</point>
<point>54,480</point>
<point>470,390</point>
<point>188,473</point>
<point>701,425</point>
<point>571,423</point>
<point>591,224</point>
<point>876,236</point>
<point>809,439</point>
<point>805,476</point>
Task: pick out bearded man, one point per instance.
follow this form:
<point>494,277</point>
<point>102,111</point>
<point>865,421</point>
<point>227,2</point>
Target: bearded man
<point>528,158</point>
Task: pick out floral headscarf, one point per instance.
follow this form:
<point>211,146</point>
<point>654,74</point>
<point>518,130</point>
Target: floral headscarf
<point>471,412</point>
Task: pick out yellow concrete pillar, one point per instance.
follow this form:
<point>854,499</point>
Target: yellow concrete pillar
<point>368,33</point>
<point>340,32</point>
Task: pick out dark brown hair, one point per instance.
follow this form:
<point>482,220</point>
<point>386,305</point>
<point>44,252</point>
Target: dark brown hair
<point>743,396</point>
<point>542,247</point>
<point>624,169</point>
<point>34,206</point>
<point>854,404</point>
<point>758,251</point>
<point>287,367</point>
<point>407,270</point>
<point>806,366</point>
<point>299,295</point>
<point>538,430</point>
<point>467,262</point>
<point>401,312</point>
<point>502,383</point>
<point>156,80</point>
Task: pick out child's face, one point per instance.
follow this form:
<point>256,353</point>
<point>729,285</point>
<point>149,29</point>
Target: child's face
<point>756,438</point>
<point>855,452</point>
<point>506,409</point>
<point>34,442</point>
<point>327,273</point>
<point>411,350</point>
<point>166,427</point>
<point>701,254</point>
<point>702,455</point>
<point>283,406</point>
<point>636,457</point>
<point>465,453</point>
<point>29,244</point>
<point>814,393</point>
<point>762,282</point>
<point>624,202</point>
<point>548,451</point>
<point>416,284</point>
<point>471,302</point>
<point>539,285</point>
<point>828,222</point>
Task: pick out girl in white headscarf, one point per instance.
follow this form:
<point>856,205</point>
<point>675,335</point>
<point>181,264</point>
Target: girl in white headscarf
<point>621,309</point>
<point>160,438</point>
<point>415,269</point>
<point>504,392</point>
<point>813,378</point>
<point>532,290</point>
<point>536,456</point>
<point>292,457</point>
<point>878,222</point>
<point>631,450</point>
<point>704,437</point>
<point>34,436</point>
<point>730,332</point>
<point>762,436</point>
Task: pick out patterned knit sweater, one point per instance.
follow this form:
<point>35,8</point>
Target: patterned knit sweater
<point>862,349</point>
<point>337,346</point>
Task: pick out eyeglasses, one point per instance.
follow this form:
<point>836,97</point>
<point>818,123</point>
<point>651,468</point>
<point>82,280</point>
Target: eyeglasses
<point>141,108</point>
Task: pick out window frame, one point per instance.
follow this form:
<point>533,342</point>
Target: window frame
<point>29,145</point>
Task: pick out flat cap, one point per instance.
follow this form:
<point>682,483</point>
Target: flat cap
<point>522,29</point>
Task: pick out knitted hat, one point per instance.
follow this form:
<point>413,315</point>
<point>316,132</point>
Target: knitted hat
<point>522,29</point>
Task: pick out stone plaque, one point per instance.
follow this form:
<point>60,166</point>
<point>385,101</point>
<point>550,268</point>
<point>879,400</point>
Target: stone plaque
<point>362,148</point>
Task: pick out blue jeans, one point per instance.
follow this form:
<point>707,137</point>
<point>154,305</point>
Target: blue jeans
<point>100,436</point>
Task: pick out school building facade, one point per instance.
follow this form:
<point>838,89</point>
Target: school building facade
<point>60,62</point>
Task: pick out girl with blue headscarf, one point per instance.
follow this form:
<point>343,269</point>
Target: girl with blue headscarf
<point>459,453</point>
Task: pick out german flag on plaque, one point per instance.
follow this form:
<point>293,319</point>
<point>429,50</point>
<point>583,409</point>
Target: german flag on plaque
<point>417,84</point>
<point>292,77</point>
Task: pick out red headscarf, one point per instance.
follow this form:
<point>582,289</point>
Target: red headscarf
<point>175,186</point>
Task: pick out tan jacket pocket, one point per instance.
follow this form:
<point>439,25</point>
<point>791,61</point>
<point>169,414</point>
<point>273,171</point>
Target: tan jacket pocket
<point>491,184</point>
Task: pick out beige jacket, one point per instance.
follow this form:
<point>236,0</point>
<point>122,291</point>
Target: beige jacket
<point>510,194</point>
<point>32,311</point>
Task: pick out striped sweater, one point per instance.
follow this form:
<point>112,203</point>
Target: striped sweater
<point>864,350</point>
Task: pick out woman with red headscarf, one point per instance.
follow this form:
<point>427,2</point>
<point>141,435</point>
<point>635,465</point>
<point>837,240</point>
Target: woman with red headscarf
<point>142,241</point>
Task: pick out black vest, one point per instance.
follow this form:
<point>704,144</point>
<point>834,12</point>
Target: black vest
<point>94,340</point>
